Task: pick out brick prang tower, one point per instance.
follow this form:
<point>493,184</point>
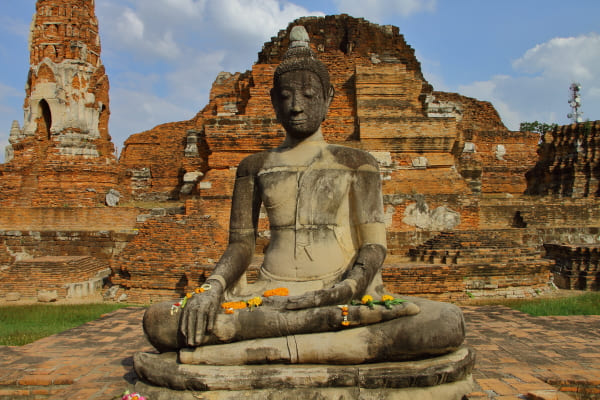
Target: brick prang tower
<point>66,105</point>
<point>64,137</point>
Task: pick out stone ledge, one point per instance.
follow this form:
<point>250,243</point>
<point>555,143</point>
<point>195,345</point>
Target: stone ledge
<point>164,370</point>
<point>447,391</point>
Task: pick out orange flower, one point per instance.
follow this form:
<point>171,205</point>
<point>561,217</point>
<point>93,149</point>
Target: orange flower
<point>345,323</point>
<point>277,292</point>
<point>235,305</point>
<point>188,295</point>
<point>229,311</point>
<point>199,290</point>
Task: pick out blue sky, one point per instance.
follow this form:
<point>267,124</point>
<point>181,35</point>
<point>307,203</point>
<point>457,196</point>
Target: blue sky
<point>163,55</point>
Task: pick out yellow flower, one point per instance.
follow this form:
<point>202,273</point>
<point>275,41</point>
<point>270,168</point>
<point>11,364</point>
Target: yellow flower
<point>255,302</point>
<point>387,297</point>
<point>188,295</point>
<point>366,299</point>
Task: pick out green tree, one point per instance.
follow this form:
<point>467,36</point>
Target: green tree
<point>538,127</point>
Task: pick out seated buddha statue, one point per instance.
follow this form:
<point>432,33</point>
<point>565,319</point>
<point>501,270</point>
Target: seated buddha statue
<point>323,261</point>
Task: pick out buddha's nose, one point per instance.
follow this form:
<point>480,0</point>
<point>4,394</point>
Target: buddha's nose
<point>297,105</point>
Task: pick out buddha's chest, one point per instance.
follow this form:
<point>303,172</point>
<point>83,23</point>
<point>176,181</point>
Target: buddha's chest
<point>304,196</point>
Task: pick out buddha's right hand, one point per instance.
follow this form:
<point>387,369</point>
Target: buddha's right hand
<point>199,315</point>
<point>340,293</point>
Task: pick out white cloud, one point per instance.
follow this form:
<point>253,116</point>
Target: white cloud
<point>179,47</point>
<point>577,58</point>
<point>377,10</point>
<point>130,25</point>
<point>250,19</point>
<point>539,89</point>
<point>192,8</point>
<point>191,82</point>
<point>131,34</point>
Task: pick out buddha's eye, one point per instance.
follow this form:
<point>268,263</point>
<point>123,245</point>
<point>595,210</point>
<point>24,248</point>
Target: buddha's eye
<point>285,94</point>
<point>309,93</point>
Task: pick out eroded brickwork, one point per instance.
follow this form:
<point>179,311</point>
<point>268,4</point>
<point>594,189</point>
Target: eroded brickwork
<point>67,277</point>
<point>169,256</point>
<point>451,170</point>
<point>568,164</point>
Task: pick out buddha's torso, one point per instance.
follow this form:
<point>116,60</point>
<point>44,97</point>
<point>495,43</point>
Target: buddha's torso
<point>306,195</point>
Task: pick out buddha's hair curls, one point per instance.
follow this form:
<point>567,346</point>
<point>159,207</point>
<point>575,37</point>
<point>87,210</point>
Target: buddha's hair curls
<point>300,57</point>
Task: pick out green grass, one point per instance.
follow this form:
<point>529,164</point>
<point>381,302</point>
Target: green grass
<point>24,324</point>
<point>584,304</point>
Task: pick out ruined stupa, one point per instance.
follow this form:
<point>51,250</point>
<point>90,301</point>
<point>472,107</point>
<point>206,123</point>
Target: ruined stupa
<point>64,136</point>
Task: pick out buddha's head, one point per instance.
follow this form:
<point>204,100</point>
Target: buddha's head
<point>301,91</point>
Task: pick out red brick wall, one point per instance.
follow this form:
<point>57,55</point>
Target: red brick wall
<point>68,219</point>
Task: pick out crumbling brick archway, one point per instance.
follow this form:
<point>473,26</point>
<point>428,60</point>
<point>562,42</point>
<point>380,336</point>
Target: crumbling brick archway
<point>45,120</point>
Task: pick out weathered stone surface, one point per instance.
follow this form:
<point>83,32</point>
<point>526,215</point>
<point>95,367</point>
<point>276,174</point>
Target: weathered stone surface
<point>12,296</point>
<point>440,219</point>
<point>164,370</point>
<point>47,296</point>
<point>112,198</point>
<point>447,391</point>
<point>111,292</point>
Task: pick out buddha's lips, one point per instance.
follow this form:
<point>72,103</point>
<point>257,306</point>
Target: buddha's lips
<point>298,121</point>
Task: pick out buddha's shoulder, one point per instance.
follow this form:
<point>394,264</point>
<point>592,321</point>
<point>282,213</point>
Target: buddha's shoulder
<point>252,163</point>
<point>352,158</point>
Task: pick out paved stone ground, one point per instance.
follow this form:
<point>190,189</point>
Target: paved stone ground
<point>518,357</point>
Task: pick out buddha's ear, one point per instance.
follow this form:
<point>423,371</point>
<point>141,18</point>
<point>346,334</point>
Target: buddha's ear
<point>330,95</point>
<point>275,101</point>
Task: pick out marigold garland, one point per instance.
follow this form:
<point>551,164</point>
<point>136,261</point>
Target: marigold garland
<point>234,305</point>
<point>277,292</point>
<point>345,321</point>
<point>181,304</point>
<point>386,300</point>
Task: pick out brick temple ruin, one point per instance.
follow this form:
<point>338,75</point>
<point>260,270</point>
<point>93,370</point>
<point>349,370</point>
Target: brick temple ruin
<point>472,209</point>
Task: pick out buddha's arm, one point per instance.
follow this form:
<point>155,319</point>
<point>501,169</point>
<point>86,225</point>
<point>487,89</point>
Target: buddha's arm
<point>199,314</point>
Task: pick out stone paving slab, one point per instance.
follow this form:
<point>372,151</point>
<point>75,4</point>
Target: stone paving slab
<point>518,357</point>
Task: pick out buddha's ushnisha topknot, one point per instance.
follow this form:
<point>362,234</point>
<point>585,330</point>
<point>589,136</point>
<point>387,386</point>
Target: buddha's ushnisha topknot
<point>300,57</point>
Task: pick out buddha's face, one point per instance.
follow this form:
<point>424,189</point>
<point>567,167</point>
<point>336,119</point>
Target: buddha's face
<point>300,103</point>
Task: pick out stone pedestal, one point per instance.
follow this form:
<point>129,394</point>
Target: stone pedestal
<point>446,377</point>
